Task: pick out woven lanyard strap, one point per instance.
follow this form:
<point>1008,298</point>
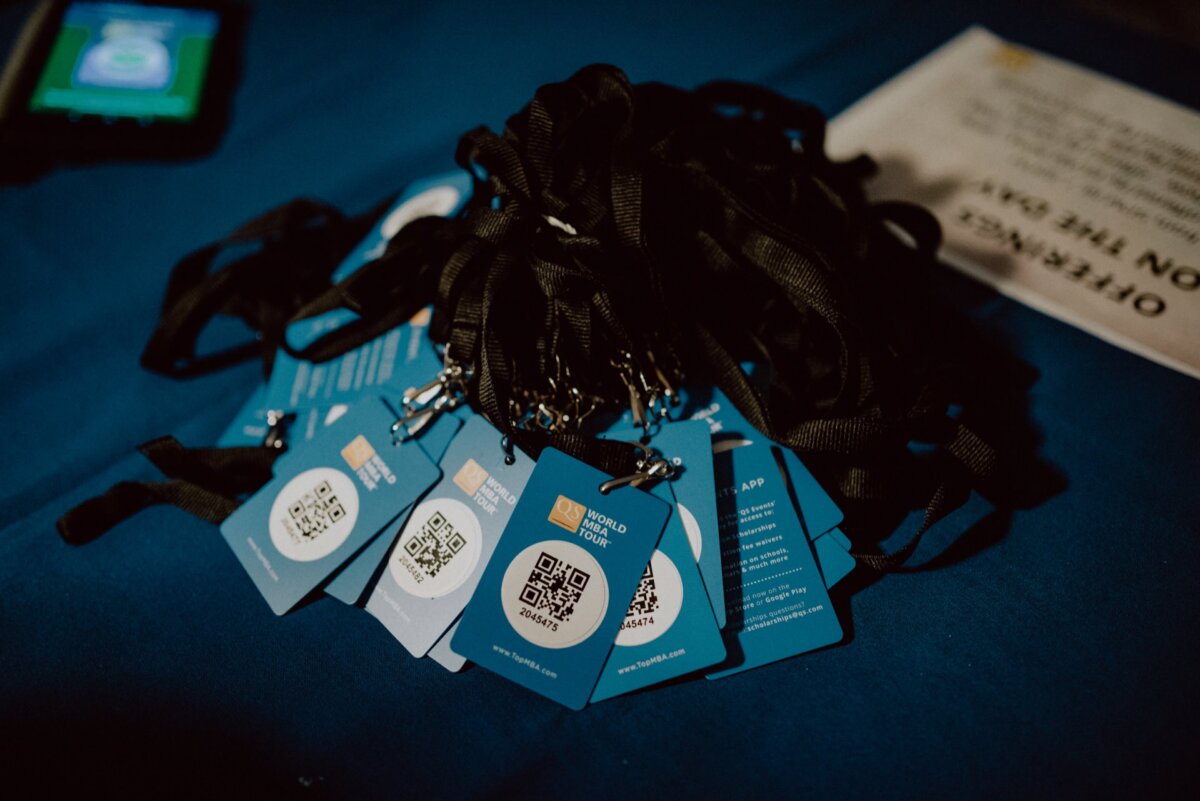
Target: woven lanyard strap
<point>619,231</point>
<point>204,482</point>
<point>610,218</point>
<point>261,273</point>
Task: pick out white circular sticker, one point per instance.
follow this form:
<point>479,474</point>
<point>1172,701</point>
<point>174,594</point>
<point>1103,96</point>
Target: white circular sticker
<point>438,549</point>
<point>692,529</point>
<point>656,603</point>
<point>436,202</point>
<point>313,514</point>
<point>554,594</point>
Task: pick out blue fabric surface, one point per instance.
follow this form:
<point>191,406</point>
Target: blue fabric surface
<point>1058,661</point>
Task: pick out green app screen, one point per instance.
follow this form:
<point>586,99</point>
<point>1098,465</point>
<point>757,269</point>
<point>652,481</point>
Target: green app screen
<point>124,60</point>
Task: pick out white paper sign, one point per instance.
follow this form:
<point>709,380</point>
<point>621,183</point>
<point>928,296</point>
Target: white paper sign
<point>1064,189</point>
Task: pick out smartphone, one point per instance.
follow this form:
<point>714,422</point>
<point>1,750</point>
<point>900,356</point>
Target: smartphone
<point>91,80</point>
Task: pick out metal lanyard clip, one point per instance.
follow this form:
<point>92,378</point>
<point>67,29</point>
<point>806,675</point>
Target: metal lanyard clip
<point>422,405</point>
<point>278,422</point>
<point>651,467</point>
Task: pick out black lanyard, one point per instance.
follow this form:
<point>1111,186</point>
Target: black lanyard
<point>263,273</point>
<point>621,237</point>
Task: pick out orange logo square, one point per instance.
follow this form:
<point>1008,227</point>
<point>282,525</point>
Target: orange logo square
<point>566,513</point>
<point>470,477</point>
<point>358,452</point>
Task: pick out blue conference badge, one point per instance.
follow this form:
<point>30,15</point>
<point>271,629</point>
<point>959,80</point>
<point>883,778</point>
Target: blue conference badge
<point>446,542</point>
<point>391,362</point>
<point>775,597</point>
<point>444,655</point>
<point>689,445</point>
<point>669,628</point>
<point>556,591</point>
<point>833,556</point>
<point>437,196</point>
<point>394,360</point>
<point>327,499</point>
<point>351,582</point>
<point>729,428</point>
<point>252,424</point>
<point>818,512</point>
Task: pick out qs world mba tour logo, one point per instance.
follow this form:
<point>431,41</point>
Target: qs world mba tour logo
<point>567,514</point>
<point>470,477</point>
<point>358,452</point>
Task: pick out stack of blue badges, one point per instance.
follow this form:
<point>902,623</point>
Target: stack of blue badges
<point>464,549</point>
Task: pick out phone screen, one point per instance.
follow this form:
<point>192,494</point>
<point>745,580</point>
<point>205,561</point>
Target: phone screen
<point>119,60</point>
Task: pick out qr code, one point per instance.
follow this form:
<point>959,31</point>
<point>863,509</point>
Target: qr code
<point>314,513</point>
<point>554,586</point>
<point>645,600</point>
<point>434,544</point>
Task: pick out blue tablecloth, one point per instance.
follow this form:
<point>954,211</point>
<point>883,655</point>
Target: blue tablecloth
<point>1057,661</point>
